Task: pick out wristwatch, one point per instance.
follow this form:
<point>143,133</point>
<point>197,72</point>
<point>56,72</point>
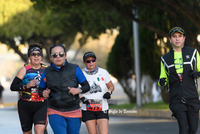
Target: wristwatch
<point>25,86</point>
<point>80,90</point>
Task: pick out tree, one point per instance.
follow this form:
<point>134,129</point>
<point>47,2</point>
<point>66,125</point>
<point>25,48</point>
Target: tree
<point>156,17</point>
<point>106,12</point>
<point>120,61</point>
<point>92,18</point>
<point>27,25</point>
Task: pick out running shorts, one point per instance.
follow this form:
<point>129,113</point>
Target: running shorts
<point>94,115</point>
<point>31,113</point>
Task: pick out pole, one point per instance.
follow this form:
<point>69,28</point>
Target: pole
<point>137,59</point>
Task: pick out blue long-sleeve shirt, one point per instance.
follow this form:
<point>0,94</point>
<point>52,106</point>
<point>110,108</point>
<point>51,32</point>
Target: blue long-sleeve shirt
<point>79,75</point>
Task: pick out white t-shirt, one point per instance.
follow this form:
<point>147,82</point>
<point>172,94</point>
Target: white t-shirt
<point>98,87</point>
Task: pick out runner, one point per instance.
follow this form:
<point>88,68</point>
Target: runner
<point>94,103</point>
<point>180,69</point>
<point>62,79</point>
<point>32,108</point>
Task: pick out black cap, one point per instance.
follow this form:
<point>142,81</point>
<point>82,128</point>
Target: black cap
<point>88,54</point>
<point>176,29</point>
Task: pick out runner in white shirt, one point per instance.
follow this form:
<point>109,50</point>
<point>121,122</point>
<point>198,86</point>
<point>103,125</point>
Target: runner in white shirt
<point>94,102</point>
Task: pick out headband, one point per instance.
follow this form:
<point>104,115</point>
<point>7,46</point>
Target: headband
<point>34,49</point>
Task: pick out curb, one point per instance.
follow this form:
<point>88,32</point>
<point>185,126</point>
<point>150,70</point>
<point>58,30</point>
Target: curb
<point>9,104</point>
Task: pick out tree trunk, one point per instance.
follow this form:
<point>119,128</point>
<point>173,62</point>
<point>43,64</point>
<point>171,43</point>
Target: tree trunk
<point>128,90</point>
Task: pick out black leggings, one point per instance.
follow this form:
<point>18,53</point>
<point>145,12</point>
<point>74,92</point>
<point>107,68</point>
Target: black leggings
<point>31,113</point>
<point>187,121</point>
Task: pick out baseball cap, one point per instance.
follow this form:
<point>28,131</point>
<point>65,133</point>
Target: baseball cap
<point>176,29</point>
<point>88,54</point>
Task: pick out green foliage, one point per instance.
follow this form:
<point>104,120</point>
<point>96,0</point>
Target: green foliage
<point>149,53</point>
<point>27,22</point>
<point>60,20</point>
<point>83,16</point>
<point>19,19</point>
<point>123,106</point>
<point>120,62</point>
<point>156,105</point>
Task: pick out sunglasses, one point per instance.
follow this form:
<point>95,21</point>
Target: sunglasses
<point>61,54</point>
<point>88,61</point>
<point>36,54</point>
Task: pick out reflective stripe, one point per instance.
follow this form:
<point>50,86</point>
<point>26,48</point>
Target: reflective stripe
<point>185,63</point>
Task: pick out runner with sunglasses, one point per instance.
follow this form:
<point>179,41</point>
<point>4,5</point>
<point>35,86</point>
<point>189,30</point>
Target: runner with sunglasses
<point>32,108</point>
<point>62,79</point>
<point>94,103</point>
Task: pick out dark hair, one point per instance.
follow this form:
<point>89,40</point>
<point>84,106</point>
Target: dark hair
<point>55,45</point>
<point>35,45</point>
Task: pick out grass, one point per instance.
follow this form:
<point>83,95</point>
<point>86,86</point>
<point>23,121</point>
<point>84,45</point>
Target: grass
<point>122,106</point>
<point>156,105</point>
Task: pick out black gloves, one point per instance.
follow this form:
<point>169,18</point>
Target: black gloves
<point>162,81</point>
<point>85,100</point>
<point>107,95</point>
<point>195,74</point>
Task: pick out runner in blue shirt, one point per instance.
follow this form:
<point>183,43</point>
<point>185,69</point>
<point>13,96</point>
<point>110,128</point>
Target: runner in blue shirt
<point>62,81</point>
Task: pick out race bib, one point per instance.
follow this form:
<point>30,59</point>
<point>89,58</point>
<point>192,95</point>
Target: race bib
<point>95,105</point>
<point>35,96</point>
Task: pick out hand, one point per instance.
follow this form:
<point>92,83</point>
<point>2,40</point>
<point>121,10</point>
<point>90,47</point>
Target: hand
<point>32,83</point>
<point>85,100</point>
<point>195,74</point>
<point>73,90</point>
<point>162,81</point>
<point>107,95</point>
<point>46,93</point>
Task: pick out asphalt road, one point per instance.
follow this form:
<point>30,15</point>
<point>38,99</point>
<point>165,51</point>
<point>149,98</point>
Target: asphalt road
<point>9,124</point>
<point>9,121</point>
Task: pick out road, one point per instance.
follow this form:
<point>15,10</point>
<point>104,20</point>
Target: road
<point>9,121</point>
<point>9,124</point>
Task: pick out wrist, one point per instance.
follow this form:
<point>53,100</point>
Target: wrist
<point>110,91</point>
<point>25,86</point>
<point>80,90</point>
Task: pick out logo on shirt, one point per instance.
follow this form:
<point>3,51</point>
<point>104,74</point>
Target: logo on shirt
<point>100,78</point>
<point>37,78</point>
<point>95,88</point>
<point>187,57</point>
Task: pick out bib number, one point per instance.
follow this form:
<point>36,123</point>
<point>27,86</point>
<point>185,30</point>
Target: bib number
<point>35,96</point>
<point>95,105</point>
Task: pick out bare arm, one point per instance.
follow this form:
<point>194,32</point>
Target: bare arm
<point>21,73</point>
<point>110,86</point>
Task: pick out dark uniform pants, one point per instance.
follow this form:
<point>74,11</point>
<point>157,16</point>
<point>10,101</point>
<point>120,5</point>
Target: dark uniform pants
<point>187,120</point>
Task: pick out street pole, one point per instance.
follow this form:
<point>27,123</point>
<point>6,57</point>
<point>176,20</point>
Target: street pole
<point>137,59</point>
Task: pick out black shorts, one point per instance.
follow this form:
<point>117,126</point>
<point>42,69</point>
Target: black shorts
<point>31,113</point>
<point>94,115</point>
